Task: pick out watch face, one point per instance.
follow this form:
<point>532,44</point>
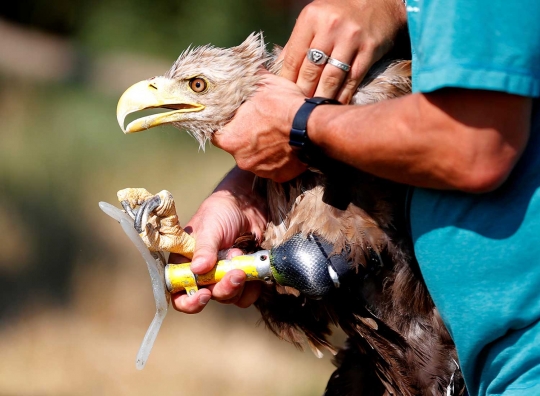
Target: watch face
<point>297,137</point>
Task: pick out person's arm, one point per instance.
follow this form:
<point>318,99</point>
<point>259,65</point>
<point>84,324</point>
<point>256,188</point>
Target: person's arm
<point>230,211</point>
<point>460,139</point>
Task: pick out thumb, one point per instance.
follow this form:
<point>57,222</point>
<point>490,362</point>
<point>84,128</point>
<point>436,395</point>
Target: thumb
<point>205,255</point>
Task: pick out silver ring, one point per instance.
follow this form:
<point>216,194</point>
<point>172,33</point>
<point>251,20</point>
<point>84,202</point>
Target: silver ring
<point>316,56</point>
<point>343,66</point>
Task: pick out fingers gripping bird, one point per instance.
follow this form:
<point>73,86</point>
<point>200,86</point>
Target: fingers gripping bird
<point>397,343</point>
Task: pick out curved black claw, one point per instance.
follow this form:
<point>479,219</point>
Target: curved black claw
<point>127,208</point>
<point>141,217</point>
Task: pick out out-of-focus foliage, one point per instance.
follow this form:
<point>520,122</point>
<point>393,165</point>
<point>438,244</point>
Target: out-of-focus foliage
<point>75,298</point>
<point>224,23</point>
<point>60,16</point>
<point>159,27</point>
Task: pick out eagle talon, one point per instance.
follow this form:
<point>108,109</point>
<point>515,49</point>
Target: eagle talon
<point>144,211</point>
<point>156,221</point>
<point>127,208</point>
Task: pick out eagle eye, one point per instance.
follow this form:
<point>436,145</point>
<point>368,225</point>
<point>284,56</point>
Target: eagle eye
<point>197,84</point>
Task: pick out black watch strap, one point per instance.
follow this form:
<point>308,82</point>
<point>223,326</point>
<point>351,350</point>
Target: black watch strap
<point>298,137</point>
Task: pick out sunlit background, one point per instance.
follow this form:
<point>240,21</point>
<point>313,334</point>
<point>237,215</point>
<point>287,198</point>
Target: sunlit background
<point>75,298</point>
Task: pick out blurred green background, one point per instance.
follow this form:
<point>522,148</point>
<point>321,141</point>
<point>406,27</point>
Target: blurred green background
<point>70,324</point>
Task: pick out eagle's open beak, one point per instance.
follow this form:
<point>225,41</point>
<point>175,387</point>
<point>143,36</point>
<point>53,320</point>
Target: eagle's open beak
<point>158,92</point>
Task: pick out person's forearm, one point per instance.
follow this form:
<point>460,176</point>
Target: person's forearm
<point>238,185</point>
<point>238,182</point>
<point>452,139</point>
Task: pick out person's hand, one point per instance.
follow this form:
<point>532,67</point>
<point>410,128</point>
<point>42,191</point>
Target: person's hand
<point>355,32</point>
<point>258,135</point>
<point>229,212</point>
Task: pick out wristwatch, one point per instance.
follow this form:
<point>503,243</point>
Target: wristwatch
<point>298,137</point>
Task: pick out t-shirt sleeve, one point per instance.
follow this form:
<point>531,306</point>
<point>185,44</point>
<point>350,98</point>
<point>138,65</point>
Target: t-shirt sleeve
<point>476,44</point>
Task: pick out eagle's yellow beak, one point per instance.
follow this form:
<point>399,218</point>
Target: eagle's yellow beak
<point>158,92</point>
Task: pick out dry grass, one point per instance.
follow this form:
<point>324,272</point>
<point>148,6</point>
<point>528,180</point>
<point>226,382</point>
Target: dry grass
<point>89,349</point>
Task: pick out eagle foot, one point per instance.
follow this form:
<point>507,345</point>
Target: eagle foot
<point>156,221</point>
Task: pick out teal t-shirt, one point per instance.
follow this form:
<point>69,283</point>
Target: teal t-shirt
<point>480,254</point>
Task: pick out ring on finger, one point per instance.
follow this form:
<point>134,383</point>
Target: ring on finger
<point>317,57</point>
<point>340,65</point>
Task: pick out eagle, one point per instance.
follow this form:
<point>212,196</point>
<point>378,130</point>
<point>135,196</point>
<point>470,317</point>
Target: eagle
<point>397,343</point>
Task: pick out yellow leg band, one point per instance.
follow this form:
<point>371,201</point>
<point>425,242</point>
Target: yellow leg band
<point>179,277</point>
